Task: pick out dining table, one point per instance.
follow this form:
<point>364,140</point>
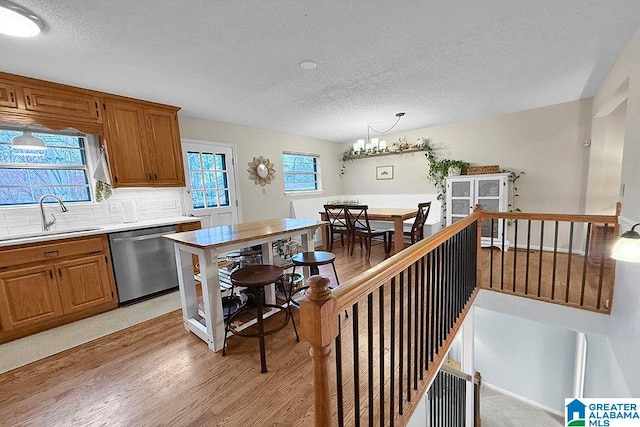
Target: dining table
<point>207,321</point>
<point>395,215</point>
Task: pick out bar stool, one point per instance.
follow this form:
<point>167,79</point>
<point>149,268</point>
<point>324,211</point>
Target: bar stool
<point>255,278</point>
<point>313,260</point>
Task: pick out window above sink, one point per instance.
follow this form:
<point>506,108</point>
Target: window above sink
<point>62,169</point>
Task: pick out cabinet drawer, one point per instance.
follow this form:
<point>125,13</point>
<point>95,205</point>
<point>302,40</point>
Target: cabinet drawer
<point>59,103</point>
<point>51,251</point>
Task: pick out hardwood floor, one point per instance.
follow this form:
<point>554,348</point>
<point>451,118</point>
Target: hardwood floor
<point>157,373</point>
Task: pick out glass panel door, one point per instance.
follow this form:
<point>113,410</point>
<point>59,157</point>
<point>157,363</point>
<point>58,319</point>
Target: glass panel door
<point>210,191</point>
<point>489,197</point>
<point>461,200</point>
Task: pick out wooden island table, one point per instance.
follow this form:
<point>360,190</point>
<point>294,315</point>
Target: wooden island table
<point>395,215</point>
<point>207,244</point>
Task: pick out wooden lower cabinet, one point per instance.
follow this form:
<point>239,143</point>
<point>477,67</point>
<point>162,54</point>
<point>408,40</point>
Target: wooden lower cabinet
<point>28,296</point>
<point>60,284</point>
<point>84,283</point>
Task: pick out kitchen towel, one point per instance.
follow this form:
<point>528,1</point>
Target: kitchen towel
<point>103,179</point>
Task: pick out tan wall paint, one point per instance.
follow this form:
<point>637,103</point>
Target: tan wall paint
<point>251,142</point>
<point>624,335</point>
<point>547,143</point>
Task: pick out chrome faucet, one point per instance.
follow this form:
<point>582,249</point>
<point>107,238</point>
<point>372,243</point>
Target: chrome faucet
<point>46,225</point>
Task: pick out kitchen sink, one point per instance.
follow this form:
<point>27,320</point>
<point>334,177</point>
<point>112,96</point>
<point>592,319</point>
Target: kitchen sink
<point>48,233</point>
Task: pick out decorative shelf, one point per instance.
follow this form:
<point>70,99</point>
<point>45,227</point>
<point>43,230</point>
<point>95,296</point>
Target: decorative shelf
<point>383,153</point>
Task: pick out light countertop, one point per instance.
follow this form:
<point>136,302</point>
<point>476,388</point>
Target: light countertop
<point>89,230</point>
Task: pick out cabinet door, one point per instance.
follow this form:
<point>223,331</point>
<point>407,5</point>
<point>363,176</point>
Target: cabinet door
<point>62,103</point>
<point>459,199</point>
<point>163,139</point>
<point>8,97</point>
<point>490,193</point>
<point>128,161</point>
<point>83,283</point>
<point>28,296</point>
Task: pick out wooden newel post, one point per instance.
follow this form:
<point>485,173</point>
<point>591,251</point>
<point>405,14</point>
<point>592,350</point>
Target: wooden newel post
<point>319,327</point>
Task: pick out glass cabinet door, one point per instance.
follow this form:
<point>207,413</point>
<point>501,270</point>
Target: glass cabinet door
<point>488,191</point>
<point>461,200</point>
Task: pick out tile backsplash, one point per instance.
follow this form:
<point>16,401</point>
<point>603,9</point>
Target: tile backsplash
<point>150,204</point>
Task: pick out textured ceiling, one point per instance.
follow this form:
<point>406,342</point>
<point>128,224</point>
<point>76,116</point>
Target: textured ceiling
<point>237,61</point>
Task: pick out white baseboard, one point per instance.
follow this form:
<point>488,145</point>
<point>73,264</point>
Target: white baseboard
<point>523,399</point>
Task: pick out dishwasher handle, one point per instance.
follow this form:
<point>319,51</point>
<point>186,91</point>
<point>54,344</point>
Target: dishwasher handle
<point>139,238</point>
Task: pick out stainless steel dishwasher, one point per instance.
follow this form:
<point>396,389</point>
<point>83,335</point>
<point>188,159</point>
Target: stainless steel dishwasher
<point>143,262</point>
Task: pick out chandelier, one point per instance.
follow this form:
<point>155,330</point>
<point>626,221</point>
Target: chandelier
<point>374,145</point>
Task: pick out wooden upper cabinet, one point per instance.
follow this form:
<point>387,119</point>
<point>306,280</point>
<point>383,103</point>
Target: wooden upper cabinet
<point>84,283</point>
<point>142,138</point>
<point>126,144</point>
<point>163,142</point>
<point>28,296</point>
<point>143,144</point>
<point>8,95</point>
<point>60,103</point>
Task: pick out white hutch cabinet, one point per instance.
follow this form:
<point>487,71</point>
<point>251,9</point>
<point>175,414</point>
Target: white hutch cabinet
<point>491,191</point>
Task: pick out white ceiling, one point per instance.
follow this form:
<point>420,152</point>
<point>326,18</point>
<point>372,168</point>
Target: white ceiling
<point>237,61</point>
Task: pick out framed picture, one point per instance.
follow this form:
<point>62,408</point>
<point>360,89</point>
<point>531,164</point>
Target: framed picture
<point>384,172</point>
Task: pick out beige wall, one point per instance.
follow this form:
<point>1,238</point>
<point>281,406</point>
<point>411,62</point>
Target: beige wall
<point>251,142</point>
<point>625,312</point>
<point>547,143</point>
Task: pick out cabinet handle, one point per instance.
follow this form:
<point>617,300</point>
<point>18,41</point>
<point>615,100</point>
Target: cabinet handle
<point>50,274</point>
<point>60,272</point>
<point>51,253</point>
<point>150,177</point>
<point>28,100</point>
<point>155,177</point>
<point>12,99</point>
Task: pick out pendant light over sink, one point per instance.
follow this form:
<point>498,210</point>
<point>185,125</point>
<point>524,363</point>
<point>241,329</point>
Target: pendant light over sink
<point>17,21</point>
<point>27,141</point>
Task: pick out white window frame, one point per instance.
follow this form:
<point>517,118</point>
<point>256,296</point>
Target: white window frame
<point>318,175</point>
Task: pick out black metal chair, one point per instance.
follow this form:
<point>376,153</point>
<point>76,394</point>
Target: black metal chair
<point>335,214</point>
<point>255,278</point>
<point>358,223</point>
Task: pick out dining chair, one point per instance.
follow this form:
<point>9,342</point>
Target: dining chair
<point>335,214</point>
<point>358,223</point>
<point>415,232</point>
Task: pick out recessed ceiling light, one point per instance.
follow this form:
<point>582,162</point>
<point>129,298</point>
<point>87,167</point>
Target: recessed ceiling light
<point>308,64</point>
<point>17,21</point>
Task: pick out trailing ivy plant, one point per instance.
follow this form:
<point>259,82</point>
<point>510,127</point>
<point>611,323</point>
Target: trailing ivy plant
<point>439,169</point>
<point>513,177</point>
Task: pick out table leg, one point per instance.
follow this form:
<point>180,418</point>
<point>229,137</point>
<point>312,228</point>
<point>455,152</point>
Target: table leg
<point>212,299</point>
<point>186,284</point>
<point>267,258</point>
<point>325,234</point>
<point>398,235</point>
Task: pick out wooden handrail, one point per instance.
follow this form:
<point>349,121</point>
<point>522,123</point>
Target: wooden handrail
<point>609,219</point>
<point>366,282</point>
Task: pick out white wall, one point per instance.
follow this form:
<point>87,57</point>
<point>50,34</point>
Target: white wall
<point>253,142</point>
<point>530,359</point>
<point>624,334</point>
<point>547,143</point>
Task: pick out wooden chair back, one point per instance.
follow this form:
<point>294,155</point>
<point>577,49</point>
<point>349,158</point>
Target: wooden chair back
<point>357,218</point>
<point>336,216</point>
<point>417,228</point>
